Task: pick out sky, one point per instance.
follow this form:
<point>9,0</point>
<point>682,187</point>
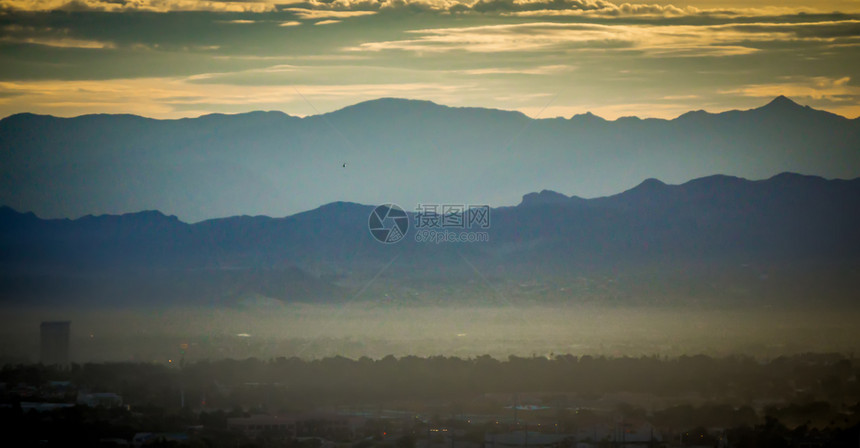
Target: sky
<point>545,58</point>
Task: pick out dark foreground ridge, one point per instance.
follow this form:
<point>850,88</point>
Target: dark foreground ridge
<point>560,401</point>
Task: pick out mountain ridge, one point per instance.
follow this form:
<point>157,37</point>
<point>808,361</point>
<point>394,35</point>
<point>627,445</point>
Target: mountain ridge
<point>779,103</point>
<point>542,197</point>
<point>392,150</point>
<point>801,229</point>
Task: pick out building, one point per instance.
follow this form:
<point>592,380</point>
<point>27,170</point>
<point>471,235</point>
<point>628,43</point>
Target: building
<point>309,425</point>
<point>54,343</point>
<point>100,399</point>
<point>527,439</point>
<point>257,425</point>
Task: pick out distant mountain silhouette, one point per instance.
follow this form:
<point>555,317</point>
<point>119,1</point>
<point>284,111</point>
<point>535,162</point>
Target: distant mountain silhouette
<point>548,197</point>
<point>702,233</point>
<point>401,150</point>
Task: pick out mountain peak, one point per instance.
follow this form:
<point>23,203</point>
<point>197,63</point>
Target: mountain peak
<point>7,212</point>
<point>396,105</point>
<point>782,102</point>
<point>694,115</point>
<point>548,197</point>
<point>651,183</point>
<point>648,187</point>
<point>401,107</point>
<point>788,178</point>
<point>589,117</point>
<point>254,115</point>
<point>143,216</point>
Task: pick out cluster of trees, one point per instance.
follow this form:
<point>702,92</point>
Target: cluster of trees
<point>814,398</point>
<point>86,426</point>
<point>338,380</point>
<point>822,376</point>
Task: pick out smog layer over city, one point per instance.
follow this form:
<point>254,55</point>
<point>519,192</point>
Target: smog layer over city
<point>430,223</point>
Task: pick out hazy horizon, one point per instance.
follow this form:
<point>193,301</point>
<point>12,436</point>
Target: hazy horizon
<point>266,328</point>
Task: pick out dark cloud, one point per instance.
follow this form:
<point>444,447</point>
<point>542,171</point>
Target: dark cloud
<point>823,30</point>
<point>513,5</point>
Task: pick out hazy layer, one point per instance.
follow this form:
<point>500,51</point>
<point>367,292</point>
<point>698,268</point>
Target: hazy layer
<point>267,329</point>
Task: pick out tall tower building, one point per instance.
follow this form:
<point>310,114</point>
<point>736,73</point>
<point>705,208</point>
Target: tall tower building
<point>54,343</point>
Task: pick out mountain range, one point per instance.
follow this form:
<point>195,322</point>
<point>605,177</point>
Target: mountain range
<point>393,150</point>
<point>787,239</point>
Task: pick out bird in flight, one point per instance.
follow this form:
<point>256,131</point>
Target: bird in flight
<point>344,165</point>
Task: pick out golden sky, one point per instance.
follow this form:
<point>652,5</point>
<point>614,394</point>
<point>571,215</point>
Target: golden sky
<point>546,58</point>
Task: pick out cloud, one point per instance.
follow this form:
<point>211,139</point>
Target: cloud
<point>604,9</point>
<point>355,8</point>
<point>226,77</point>
<point>589,8</point>
<point>58,42</point>
<point>578,7</point>
<point>138,5</point>
<point>539,70</point>
<point>313,14</point>
<point>817,88</point>
<point>48,37</point>
<point>680,97</point>
<point>655,39</point>
<point>327,22</point>
<point>601,60</point>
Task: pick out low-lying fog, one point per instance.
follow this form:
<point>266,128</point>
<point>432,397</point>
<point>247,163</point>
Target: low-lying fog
<point>267,329</point>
